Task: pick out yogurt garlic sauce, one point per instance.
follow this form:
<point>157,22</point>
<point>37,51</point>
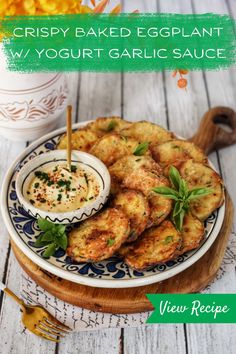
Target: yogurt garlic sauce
<point>56,189</point>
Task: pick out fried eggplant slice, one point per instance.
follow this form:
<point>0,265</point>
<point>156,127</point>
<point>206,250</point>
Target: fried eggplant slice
<point>82,139</point>
<point>115,186</point>
<point>112,147</point>
<point>192,234</point>
<point>125,249</point>
<point>156,245</point>
<point>105,125</point>
<point>177,150</point>
<point>127,164</point>
<point>135,206</point>
<point>160,209</point>
<point>146,131</point>
<point>198,175</point>
<point>144,181</point>
<point>99,237</point>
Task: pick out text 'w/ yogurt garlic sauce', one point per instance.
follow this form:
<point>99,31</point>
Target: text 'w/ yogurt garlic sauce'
<point>56,189</point>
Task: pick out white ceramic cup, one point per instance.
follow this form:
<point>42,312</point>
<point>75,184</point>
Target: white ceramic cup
<point>30,103</point>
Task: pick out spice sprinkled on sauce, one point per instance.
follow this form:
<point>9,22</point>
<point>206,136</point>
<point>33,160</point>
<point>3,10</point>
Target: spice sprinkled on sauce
<point>57,189</point>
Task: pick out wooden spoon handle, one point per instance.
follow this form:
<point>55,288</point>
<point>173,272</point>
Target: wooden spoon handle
<point>210,136</point>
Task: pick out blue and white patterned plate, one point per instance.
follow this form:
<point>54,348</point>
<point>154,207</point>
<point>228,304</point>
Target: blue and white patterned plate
<point>112,273</point>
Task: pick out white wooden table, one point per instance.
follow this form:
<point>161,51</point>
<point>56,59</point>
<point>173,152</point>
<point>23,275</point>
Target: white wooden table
<point>154,97</point>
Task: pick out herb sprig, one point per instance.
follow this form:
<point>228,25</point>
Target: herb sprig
<point>53,236</point>
<point>181,195</point>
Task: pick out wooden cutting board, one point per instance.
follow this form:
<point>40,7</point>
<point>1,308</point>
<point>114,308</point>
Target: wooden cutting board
<point>209,137</point>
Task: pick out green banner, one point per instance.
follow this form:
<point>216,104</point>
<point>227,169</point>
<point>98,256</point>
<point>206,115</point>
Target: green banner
<point>126,42</point>
<point>193,308</point>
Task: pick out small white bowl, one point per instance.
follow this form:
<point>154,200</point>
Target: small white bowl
<point>90,162</point>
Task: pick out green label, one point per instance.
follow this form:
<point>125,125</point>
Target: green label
<point>193,308</point>
<point>127,42</point>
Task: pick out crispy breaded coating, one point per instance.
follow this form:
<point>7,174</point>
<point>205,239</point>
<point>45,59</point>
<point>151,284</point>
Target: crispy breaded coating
<point>192,233</point>
<point>128,164</point>
<point>144,131</point>
<point>136,207</point>
<point>99,237</point>
<point>177,150</point>
<point>82,139</point>
<point>198,175</point>
<point>156,245</point>
<point>112,147</point>
<point>104,125</point>
<point>144,181</point>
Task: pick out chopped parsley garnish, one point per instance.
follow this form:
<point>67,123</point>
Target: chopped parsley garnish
<point>141,149</point>
<point>73,168</point>
<point>110,242</point>
<point>73,189</point>
<point>50,183</point>
<point>176,147</point>
<point>43,176</point>
<point>32,201</point>
<point>111,125</point>
<point>36,185</point>
<point>64,183</point>
<point>59,197</point>
<point>168,239</point>
<point>42,200</point>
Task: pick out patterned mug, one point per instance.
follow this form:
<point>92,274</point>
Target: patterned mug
<point>30,103</point>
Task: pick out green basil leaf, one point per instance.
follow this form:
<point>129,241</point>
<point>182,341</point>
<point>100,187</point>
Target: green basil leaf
<point>54,229</point>
<point>39,242</point>
<point>50,250</point>
<point>141,149</point>
<point>178,220</point>
<point>186,205</point>
<point>62,241</point>
<point>111,125</point>
<point>177,208</point>
<point>183,189</point>
<point>48,237</point>
<point>45,225</point>
<point>167,192</point>
<point>175,177</point>
<point>60,229</point>
<point>199,192</point>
